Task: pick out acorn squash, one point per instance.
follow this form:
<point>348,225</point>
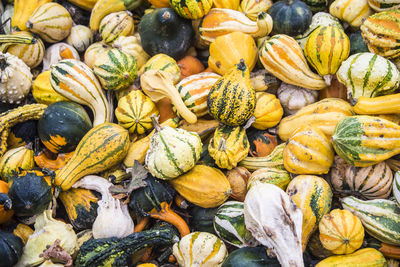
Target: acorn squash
<point>11,248</point>
<point>249,256</point>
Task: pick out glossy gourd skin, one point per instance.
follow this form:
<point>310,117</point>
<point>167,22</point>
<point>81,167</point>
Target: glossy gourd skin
<point>249,256</point>
<point>11,248</point>
<point>42,90</point>
<point>268,111</point>
<point>6,212</point>
<point>261,142</point>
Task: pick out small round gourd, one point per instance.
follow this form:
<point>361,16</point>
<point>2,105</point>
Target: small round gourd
<point>269,175</point>
<point>11,248</point>
<point>268,111</point>
<point>341,232</point>
<point>42,90</point>
<point>165,63</point>
<point>31,54</point>
<point>293,97</point>
<point>93,51</point>
<point>81,37</point>
<point>116,24</point>
<point>191,9</point>
<point>132,46</point>
<point>15,158</point>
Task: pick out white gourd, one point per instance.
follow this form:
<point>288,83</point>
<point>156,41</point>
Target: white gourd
<point>81,37</point>
<point>293,97</point>
<point>54,54</point>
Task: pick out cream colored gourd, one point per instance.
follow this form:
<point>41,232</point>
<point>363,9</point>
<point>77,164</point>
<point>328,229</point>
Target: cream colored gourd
<point>132,46</point>
<point>93,51</point>
<point>81,37</point>
<point>116,24</point>
<point>293,97</point>
<point>57,52</point>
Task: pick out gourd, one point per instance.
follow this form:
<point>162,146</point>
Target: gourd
<point>30,193</point>
<point>23,231</point>
<point>84,4</point>
<point>6,18</point>
<point>51,21</point>
<point>11,247</point>
<point>387,250</point>
<point>325,49</point>
<point>282,56</point>
<point>238,178</point>
<point>251,8</point>
<point>202,219</point>
<point>308,151</point>
<point>268,111</point>
<point>43,161</point>
<point>15,158</point>
<point>269,175</point>
<point>200,249</point>
<point>230,4</point>
<point>316,5</point>
<point>313,196</point>
<point>293,98</point>
<point>42,90</point>
<point>386,104</point>
<point>280,227</point>
<point>370,140</point>
<point>191,9</point>
<point>261,142</point>
<point>382,5</point>
<point>62,126</point>
<point>102,147</point>
<point>163,31</point>
<point>116,70</point>
<point>115,25</point>
<point>290,17</point>
<point>357,43</point>
<point>363,258</point>
<point>341,232</point>
<point>275,159</point>
<point>367,74</point>
<point>80,85</point>
<point>159,3</point>
<point>324,114</point>
<point>165,63</point>
<point>23,10</point>
<point>93,51</point>
<point>396,187</point>
<point>369,182</point>
<point>6,212</point>
<point>132,46</point>
<point>15,79</point>
<point>232,99</point>
<point>81,37</point>
<point>57,52</point>
<point>22,134</point>
<point>203,186</point>
<point>351,11</point>
<point>379,217</point>
<point>228,146</point>
<point>227,50</point>
<point>134,112</point>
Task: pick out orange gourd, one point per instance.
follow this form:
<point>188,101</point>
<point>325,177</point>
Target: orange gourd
<point>5,203</point>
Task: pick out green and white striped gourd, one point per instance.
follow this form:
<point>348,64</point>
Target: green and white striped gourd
<point>115,69</point>
<point>380,217</point>
<point>396,187</point>
<point>230,227</point>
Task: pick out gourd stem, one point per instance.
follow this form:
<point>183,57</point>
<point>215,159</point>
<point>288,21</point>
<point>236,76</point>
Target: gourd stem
<point>249,122</point>
<point>156,125</point>
<point>168,215</point>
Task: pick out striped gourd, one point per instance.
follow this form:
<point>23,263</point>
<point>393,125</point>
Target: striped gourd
<point>381,32</point>
<point>22,10</point>
<point>365,140</point>
<point>102,147</point>
<point>396,187</point>
<point>134,112</point>
<point>51,21</point>
<point>269,175</point>
<point>366,257</point>
<point>200,249</point>
<point>326,48</point>
<point>382,5</point>
<point>282,56</point>
<point>368,74</point>
<point>93,51</point>
<point>308,151</point>
<point>43,92</point>
<point>165,63</point>
<point>132,46</point>
<point>313,195</point>
<point>273,160</point>
<point>230,227</point>
<point>194,91</point>
<point>324,114</point>
<point>81,37</point>
<point>351,11</point>
<point>232,99</point>
<point>191,9</point>
<point>74,80</point>
<point>15,158</point>
<point>251,8</point>
<point>380,217</point>
<point>316,5</point>
<point>116,24</point>
<point>370,182</point>
<point>115,69</point>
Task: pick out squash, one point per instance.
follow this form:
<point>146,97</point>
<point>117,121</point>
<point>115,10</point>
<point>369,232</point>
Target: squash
<point>131,45</point>
<point>6,212</point>
<point>357,43</point>
<point>30,193</point>
<point>81,37</point>
<point>42,90</point>
<point>351,11</point>
<point>387,250</point>
<point>23,231</point>
<point>232,99</point>
<point>231,4</point>
<point>165,63</point>
<point>62,126</point>
<point>227,51</point>
<point>76,81</point>
<point>115,25</point>
<point>23,9</point>
<point>382,105</point>
<point>341,232</point>
<point>93,51</point>
<point>316,248</point>
<point>102,147</point>
<point>361,258</point>
<point>308,151</point>
<point>57,52</point>
<point>51,21</point>
<point>268,111</point>
<point>269,175</point>
<point>190,65</point>
<point>291,17</point>
<point>335,90</point>
<point>15,158</point>
<point>262,80</point>
<point>313,196</point>
<point>261,142</point>
<point>282,56</point>
<point>203,186</point>
<point>238,178</point>
<point>163,31</point>
<point>373,140</point>
<point>22,134</point>
<point>159,3</point>
<point>248,256</point>
<point>200,249</point>
<point>202,219</point>
<point>316,5</point>
<point>228,146</point>
<point>367,74</point>
<point>116,70</point>
<point>191,9</point>
<point>134,111</point>
<point>251,8</point>
<point>325,114</point>
<point>43,161</point>
<point>275,159</point>
<point>382,5</point>
<point>11,247</point>
<point>293,98</point>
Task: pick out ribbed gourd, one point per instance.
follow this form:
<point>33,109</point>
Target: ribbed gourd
<point>363,257</point>
<point>251,8</point>
<point>115,25</point>
<point>363,141</point>
<point>132,46</point>
<point>383,5</point>
<point>351,11</point>
<point>191,9</point>
<point>282,56</point>
<point>313,196</point>
<point>232,99</point>
<point>369,75</point>
<point>81,37</point>
<point>172,152</point>
<point>15,158</point>
<point>268,111</point>
<point>93,51</point>
<point>228,146</point>
<point>325,49</point>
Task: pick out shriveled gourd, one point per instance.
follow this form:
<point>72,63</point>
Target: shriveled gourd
<point>293,97</point>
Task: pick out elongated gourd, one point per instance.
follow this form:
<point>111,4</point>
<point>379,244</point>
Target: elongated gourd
<point>361,258</point>
<point>22,11</point>
<point>102,147</point>
<point>387,104</point>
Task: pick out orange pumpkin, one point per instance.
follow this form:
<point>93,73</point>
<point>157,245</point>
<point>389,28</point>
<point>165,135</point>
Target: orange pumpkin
<point>190,65</point>
<point>5,203</point>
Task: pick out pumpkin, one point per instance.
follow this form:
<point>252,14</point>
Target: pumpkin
<point>293,98</point>
<point>131,45</point>
<point>251,8</point>
<point>42,90</point>
<point>308,151</point>
<point>238,178</point>
<point>227,51</point>
<point>165,63</point>
<point>81,37</point>
<point>93,51</point>
<point>268,111</point>
<point>191,9</point>
<point>15,158</point>
<point>362,257</point>
<point>269,175</point>
<point>261,142</point>
<point>291,17</point>
<point>351,11</point>
<point>341,232</point>
<point>6,212</point>
<point>11,248</point>
<point>62,126</point>
<point>115,25</point>
<point>190,65</point>
<point>31,54</point>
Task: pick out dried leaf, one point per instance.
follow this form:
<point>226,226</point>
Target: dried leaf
<point>139,174</point>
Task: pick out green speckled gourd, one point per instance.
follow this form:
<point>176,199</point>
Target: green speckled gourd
<point>172,152</point>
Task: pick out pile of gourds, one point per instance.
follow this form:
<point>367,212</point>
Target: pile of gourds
<point>200,133</point>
